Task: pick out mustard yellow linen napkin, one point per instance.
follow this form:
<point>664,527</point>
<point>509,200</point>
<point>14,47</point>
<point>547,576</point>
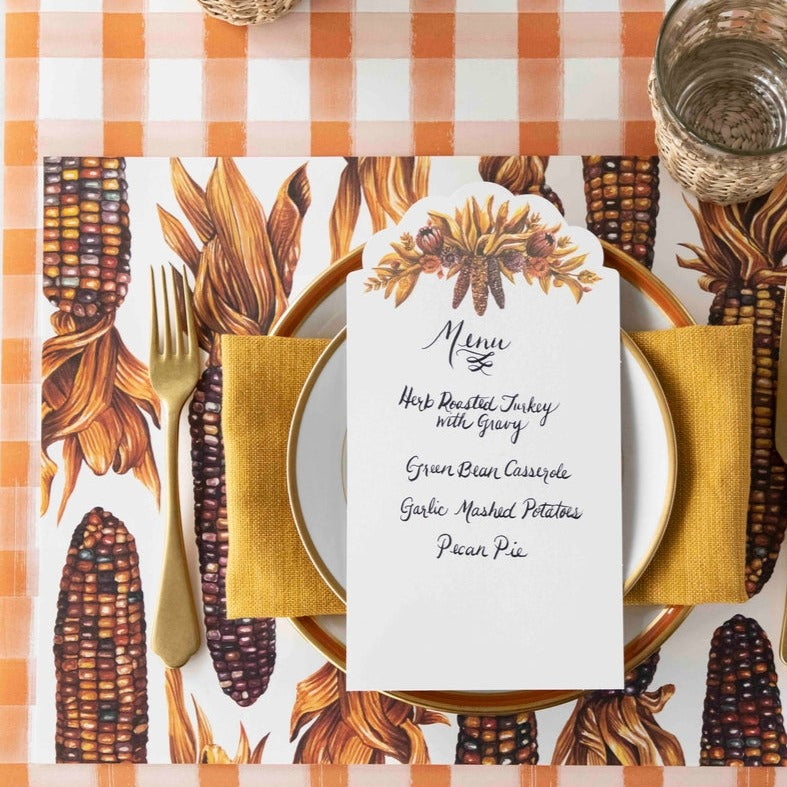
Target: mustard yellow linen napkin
<point>706,376</point>
<point>269,573</point>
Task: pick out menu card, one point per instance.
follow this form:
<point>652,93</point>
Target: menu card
<point>483,452</point>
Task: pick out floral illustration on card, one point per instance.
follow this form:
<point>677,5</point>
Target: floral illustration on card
<point>478,247</point>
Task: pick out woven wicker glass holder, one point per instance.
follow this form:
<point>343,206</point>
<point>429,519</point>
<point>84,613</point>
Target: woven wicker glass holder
<point>247,12</point>
<point>711,176</point>
<point>708,174</point>
<point>731,158</point>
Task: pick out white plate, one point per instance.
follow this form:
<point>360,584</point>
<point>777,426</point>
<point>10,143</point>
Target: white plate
<point>315,463</point>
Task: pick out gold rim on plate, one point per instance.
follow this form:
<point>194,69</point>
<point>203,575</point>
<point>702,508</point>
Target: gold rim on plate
<point>636,650</point>
<point>295,429</point>
<point>672,460</point>
<point>292,478</point>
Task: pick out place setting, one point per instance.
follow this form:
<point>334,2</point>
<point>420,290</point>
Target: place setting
<point>469,459</point>
<point>644,470</point>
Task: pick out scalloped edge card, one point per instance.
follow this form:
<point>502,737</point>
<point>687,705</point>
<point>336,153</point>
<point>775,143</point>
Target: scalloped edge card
<point>484,452</point>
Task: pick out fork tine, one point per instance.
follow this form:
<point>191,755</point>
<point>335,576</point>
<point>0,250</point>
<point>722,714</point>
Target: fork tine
<point>167,326</point>
<point>189,308</point>
<point>154,341</point>
<point>179,326</point>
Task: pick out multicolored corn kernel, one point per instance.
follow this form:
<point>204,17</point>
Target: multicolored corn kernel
<point>638,679</point>
<point>87,241</point>
<point>761,306</point>
<point>742,251</point>
<point>622,199</point>
<point>742,720</point>
<point>497,740</point>
<point>101,695</point>
<point>243,650</point>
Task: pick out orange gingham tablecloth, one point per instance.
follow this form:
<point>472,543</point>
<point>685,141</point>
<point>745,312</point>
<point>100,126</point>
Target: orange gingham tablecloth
<point>157,77</point>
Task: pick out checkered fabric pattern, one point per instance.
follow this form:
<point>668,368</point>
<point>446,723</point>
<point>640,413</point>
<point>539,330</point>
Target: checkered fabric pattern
<point>158,77</point>
<point>460,76</point>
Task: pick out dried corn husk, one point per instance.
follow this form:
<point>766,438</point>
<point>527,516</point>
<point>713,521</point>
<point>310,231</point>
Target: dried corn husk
<point>389,184</point>
<point>355,727</point>
<point>284,224</point>
<point>182,745</point>
<point>520,175</point>
<point>93,394</point>
<point>619,727</point>
<point>245,267</point>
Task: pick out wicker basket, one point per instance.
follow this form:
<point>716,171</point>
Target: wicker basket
<point>247,12</point>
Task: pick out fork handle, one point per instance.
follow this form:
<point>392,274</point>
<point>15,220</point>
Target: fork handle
<point>176,634</point>
<point>783,640</point>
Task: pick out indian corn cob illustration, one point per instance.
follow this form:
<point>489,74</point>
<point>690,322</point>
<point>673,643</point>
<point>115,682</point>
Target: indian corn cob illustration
<point>243,278</point>
<point>185,748</point>
<point>497,740</point>
<point>520,175</point>
<point>99,646</point>
<point>355,727</point>
<point>243,651</point>
<point>742,720</point>
<point>622,198</point>
<point>95,393</point>
<point>619,727</point>
<point>741,259</point>
<point>388,185</point>
<point>87,242</point>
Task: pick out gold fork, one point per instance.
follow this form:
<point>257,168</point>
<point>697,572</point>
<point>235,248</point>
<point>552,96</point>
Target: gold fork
<point>174,370</point>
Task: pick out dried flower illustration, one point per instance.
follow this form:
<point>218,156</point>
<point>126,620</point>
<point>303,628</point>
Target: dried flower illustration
<point>619,727</point>
<point>389,186</point>
<point>95,394</point>
<point>520,175</point>
<point>480,245</point>
<point>741,257</point>
<point>355,727</point>
<point>243,273</point>
<point>184,747</point>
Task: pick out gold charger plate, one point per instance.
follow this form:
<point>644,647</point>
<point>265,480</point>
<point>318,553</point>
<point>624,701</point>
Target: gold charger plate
<point>317,630</point>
